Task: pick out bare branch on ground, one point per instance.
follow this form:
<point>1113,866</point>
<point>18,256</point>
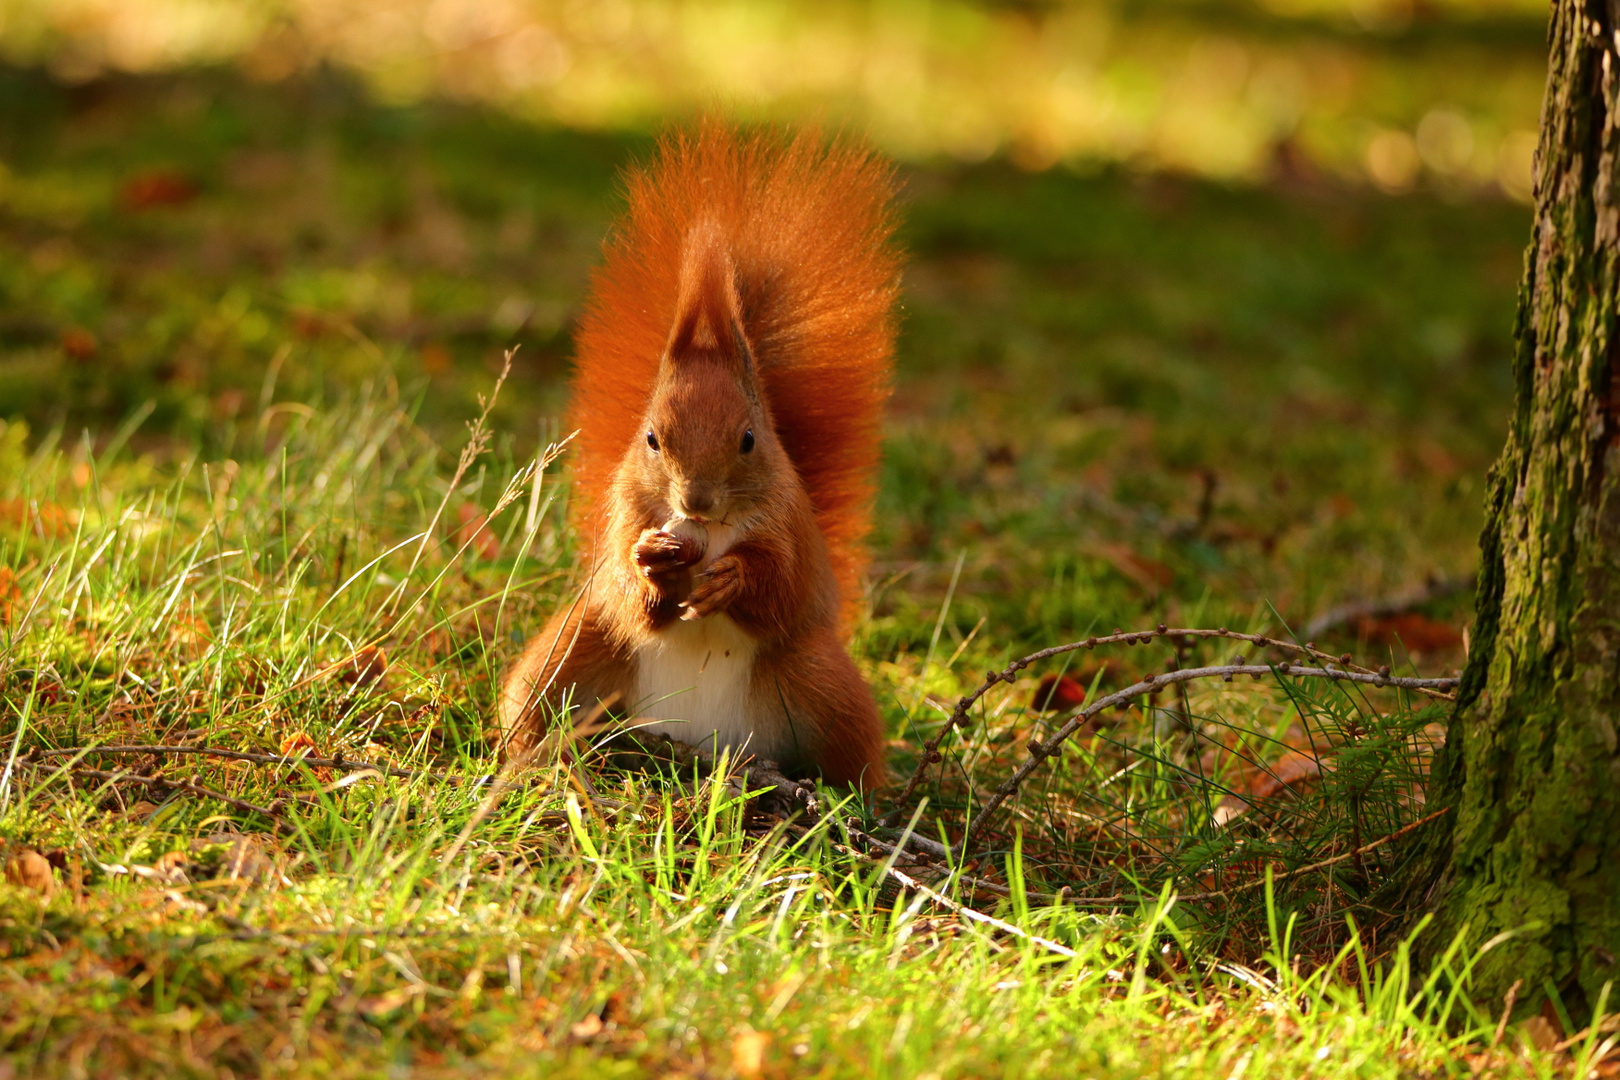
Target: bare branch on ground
<point>1180,636</point>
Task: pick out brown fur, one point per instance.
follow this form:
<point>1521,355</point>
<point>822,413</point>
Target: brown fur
<point>749,288</point>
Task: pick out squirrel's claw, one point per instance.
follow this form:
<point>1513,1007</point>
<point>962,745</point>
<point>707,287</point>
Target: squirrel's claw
<point>720,585</point>
<point>658,552</point>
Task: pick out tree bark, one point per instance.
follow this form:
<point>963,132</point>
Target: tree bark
<point>1531,767</point>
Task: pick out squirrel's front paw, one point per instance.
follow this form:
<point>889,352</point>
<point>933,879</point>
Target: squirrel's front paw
<point>719,586</point>
<point>659,552</point>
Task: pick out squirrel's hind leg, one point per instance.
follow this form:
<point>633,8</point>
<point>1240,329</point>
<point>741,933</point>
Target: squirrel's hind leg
<point>815,690</point>
<point>572,659</point>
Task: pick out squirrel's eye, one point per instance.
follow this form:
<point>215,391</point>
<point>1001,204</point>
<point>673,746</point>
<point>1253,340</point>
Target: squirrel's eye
<point>748,440</point>
<point>652,442</point>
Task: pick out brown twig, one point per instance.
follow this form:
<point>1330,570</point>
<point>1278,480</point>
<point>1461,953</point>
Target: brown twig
<point>190,787</point>
<point>338,762</point>
<point>959,716</point>
<point>1039,751</point>
<point>1509,999</point>
<point>1063,896</point>
<point>757,775</point>
<point>906,881</point>
<point>273,811</point>
<point>1599,1026</point>
<point>873,848</point>
<point>1322,865</point>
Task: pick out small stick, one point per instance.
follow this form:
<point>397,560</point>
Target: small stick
<point>1063,897</point>
<point>261,759</point>
<point>190,787</point>
<point>1598,1027</point>
<point>973,883</point>
<point>1509,999</point>
<point>242,931</point>
<point>959,717</point>
<point>907,881</point>
<point>1380,842</point>
<point>927,847</point>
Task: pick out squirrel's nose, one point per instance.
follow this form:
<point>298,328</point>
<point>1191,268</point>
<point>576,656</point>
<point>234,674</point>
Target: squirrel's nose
<point>696,502</point>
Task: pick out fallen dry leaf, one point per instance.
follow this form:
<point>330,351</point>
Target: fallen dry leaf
<point>228,403</point>
<point>1292,773</point>
<point>221,856</point>
<point>43,519</point>
<point>381,1005</point>
<point>1294,770</point>
<point>588,1028</point>
<point>47,690</point>
<point>79,344</point>
<point>748,1052</point>
<point>234,857</point>
<point>1150,574</point>
<point>68,868</point>
<point>1057,693</point>
<point>1418,633</point>
<point>190,634</point>
<point>435,359</point>
<point>156,188</point>
<point>438,643</point>
<point>296,743</point>
<point>299,744</point>
<point>365,667</point>
<point>31,870</point>
<point>309,324</point>
<point>1541,1033</point>
<point>10,595</point>
<point>1436,460</point>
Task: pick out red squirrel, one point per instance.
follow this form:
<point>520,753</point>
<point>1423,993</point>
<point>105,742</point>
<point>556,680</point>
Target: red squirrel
<point>732,363</point>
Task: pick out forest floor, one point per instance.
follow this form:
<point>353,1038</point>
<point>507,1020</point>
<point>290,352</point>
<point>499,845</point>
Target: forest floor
<point>243,330</point>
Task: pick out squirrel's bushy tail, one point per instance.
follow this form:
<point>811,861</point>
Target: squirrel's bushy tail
<point>807,226</point>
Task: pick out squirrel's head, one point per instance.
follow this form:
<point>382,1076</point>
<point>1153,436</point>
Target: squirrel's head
<point>707,448</point>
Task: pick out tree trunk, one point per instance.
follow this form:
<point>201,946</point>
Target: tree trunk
<point>1531,768</point>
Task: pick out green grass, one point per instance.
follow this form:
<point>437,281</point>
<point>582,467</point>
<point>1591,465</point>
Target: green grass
<point>1122,400</point>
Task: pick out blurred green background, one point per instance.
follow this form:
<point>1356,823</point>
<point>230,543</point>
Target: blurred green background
<point>1208,305</point>
<point>1396,90</point>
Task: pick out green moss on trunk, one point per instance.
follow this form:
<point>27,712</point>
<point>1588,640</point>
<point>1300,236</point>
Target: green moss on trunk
<point>1532,767</point>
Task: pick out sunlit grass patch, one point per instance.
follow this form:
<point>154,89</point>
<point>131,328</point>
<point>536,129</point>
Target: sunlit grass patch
<point>582,920</point>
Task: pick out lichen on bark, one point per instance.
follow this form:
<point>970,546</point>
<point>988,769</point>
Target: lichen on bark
<point>1531,767</point>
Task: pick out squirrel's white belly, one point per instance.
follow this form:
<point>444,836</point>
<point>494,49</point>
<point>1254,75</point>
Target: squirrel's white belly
<point>695,679</point>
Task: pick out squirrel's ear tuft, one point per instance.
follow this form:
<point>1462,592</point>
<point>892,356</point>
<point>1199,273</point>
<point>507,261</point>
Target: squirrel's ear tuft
<point>708,318</point>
